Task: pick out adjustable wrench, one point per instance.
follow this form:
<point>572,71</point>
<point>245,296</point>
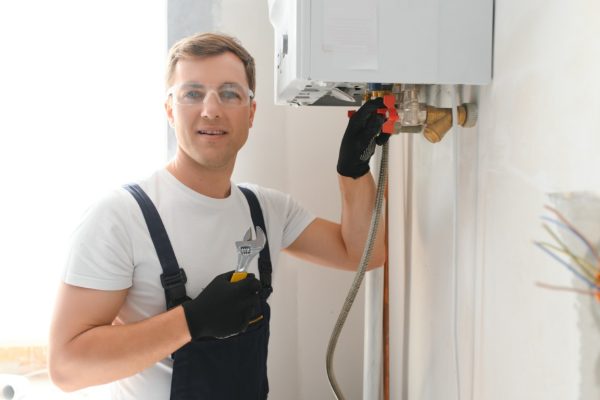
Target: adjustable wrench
<point>247,249</point>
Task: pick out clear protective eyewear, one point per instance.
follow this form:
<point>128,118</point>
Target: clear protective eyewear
<point>194,94</point>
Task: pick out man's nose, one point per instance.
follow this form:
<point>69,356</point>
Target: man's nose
<point>211,105</point>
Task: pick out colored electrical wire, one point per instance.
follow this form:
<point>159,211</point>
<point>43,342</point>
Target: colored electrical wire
<point>571,229</point>
<point>592,249</point>
<point>585,266</point>
<point>568,266</point>
<point>566,250</point>
<point>588,272</point>
<point>566,289</point>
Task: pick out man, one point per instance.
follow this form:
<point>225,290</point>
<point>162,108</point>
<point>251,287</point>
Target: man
<point>111,322</point>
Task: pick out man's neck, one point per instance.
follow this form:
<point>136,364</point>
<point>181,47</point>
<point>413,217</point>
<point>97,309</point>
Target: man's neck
<point>211,183</point>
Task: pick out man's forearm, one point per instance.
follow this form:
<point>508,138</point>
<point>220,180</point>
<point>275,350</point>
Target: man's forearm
<point>358,203</point>
<point>107,353</point>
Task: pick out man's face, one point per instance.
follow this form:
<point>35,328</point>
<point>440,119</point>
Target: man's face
<point>210,132</point>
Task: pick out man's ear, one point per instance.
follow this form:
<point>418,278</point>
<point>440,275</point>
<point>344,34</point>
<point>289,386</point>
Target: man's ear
<point>169,112</point>
<point>252,112</point>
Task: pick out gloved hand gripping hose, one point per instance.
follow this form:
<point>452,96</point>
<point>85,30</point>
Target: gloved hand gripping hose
<point>381,182</point>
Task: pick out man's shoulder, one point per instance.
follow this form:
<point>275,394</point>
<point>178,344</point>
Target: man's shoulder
<point>263,191</point>
<point>118,201</point>
<point>113,204</point>
<point>273,200</point>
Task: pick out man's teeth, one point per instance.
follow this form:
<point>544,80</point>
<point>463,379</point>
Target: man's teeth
<point>211,132</point>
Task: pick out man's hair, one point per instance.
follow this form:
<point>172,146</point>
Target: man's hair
<point>210,44</point>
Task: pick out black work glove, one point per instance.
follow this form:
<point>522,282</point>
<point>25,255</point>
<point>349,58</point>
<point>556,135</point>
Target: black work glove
<point>223,308</point>
<point>360,138</point>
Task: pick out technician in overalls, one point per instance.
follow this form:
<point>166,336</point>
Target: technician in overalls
<point>148,299</point>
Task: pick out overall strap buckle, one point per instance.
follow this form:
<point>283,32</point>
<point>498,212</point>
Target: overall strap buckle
<point>174,286</point>
<point>173,278</point>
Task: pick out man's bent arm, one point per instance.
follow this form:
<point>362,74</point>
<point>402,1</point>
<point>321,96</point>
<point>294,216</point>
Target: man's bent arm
<point>87,349</point>
<point>358,203</point>
<point>341,245</point>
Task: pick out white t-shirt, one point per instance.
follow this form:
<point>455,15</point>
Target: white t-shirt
<point>112,250</point>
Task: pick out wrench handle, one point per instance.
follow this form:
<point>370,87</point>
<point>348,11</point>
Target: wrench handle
<point>238,276</point>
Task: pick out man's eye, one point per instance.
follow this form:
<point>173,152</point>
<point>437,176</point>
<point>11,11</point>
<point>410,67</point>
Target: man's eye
<point>229,95</point>
<point>193,95</point>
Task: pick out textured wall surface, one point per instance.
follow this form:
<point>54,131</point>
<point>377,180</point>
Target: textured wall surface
<point>536,135</point>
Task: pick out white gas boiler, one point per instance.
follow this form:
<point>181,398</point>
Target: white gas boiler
<point>328,50</point>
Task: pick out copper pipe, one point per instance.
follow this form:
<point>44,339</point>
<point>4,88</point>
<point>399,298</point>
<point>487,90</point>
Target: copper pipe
<point>386,311</point>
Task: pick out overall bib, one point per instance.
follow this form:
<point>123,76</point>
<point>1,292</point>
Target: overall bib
<point>214,369</point>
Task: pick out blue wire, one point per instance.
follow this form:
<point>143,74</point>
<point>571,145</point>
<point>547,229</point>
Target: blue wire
<point>583,278</point>
<point>565,226</point>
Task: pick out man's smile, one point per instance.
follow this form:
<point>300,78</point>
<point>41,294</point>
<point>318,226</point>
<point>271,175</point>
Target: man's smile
<point>211,132</point>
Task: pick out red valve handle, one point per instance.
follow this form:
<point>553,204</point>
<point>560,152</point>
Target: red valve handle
<point>390,110</point>
<point>388,126</point>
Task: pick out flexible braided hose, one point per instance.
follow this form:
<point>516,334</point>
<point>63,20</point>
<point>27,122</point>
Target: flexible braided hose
<point>335,334</point>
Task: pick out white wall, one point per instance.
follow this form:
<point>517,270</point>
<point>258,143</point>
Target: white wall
<point>544,99</point>
<point>537,134</point>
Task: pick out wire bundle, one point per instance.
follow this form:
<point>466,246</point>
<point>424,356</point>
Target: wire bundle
<point>578,265</point>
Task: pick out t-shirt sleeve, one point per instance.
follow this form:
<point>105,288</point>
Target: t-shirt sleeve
<point>292,216</point>
<point>297,219</point>
<point>100,255</point>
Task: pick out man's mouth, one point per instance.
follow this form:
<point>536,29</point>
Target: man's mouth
<point>211,132</point>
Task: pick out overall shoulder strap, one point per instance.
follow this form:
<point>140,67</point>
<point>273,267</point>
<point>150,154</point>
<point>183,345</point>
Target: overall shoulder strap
<point>265,267</point>
<point>173,278</point>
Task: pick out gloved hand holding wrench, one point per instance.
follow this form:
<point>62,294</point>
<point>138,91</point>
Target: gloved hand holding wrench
<point>230,301</point>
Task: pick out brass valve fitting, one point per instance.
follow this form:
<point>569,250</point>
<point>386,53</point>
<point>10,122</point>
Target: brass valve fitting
<point>439,120</point>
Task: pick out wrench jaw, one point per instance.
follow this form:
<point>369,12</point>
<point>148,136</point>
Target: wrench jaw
<point>247,236</point>
<point>248,249</point>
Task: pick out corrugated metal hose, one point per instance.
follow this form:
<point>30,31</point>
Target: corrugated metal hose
<point>360,273</point>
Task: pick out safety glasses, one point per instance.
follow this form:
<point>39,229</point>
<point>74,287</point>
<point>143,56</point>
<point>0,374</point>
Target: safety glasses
<point>194,94</point>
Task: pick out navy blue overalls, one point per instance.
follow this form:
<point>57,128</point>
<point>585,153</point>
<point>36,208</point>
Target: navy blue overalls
<point>214,369</point>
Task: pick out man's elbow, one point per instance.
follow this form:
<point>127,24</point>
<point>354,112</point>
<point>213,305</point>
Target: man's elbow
<point>376,262</point>
<point>61,375</point>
